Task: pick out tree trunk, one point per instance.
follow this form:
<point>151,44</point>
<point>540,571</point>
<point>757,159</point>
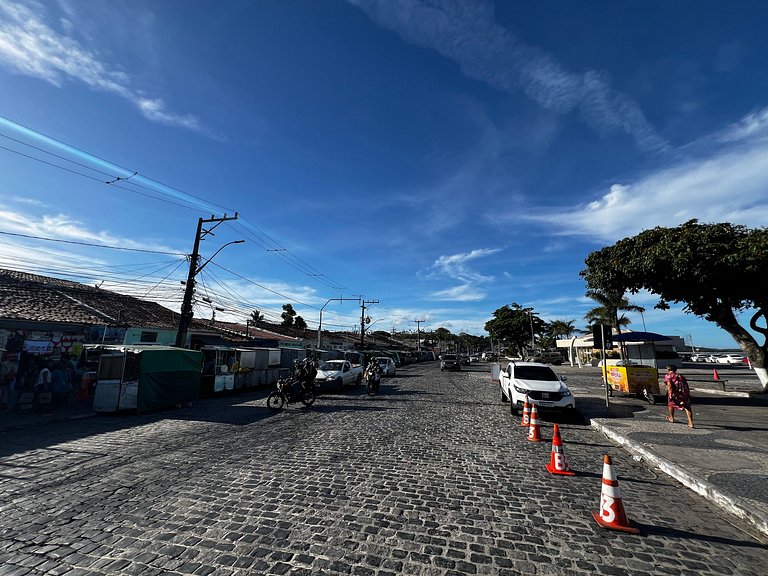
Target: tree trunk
<point>758,355</point>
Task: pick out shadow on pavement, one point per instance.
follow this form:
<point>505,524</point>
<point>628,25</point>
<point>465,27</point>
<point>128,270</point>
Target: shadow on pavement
<point>664,532</point>
<point>31,432</point>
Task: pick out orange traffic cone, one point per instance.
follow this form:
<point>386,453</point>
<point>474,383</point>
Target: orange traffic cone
<point>534,435</point>
<point>611,514</point>
<point>558,463</point>
<point>716,376</point>
<point>526,413</point>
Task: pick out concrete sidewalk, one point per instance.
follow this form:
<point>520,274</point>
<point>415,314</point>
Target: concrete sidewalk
<point>724,458</point>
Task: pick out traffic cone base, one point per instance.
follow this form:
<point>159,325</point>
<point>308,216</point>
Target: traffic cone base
<point>534,434</point>
<point>629,529</point>
<point>556,472</point>
<point>526,413</point>
<point>558,463</point>
<point>611,514</point>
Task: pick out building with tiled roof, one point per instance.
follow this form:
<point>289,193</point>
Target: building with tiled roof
<point>30,301</point>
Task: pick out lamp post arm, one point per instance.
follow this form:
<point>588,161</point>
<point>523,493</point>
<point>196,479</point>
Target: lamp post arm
<point>204,264</point>
<point>320,323</point>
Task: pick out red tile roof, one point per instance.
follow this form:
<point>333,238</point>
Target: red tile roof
<point>25,296</point>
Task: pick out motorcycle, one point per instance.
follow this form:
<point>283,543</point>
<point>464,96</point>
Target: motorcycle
<point>290,390</point>
<point>372,379</point>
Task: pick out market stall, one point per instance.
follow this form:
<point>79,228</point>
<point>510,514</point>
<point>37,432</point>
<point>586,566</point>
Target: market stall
<point>145,378</point>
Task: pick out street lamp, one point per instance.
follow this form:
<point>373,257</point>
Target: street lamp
<point>185,318</point>
<point>204,264</point>
<point>320,323</point>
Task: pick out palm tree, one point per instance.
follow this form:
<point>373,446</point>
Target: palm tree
<point>611,302</point>
<point>257,317</point>
<point>559,329</point>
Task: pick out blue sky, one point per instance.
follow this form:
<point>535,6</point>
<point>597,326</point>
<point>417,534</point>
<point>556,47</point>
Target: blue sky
<point>442,157</point>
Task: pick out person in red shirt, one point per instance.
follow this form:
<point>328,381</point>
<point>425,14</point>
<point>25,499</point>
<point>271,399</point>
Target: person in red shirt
<point>678,394</point>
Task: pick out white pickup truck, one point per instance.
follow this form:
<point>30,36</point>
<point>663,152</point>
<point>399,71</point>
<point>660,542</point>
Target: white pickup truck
<point>336,374</point>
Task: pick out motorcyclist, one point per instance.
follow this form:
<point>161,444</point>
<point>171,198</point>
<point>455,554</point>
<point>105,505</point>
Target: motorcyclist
<point>310,372</point>
<point>374,368</point>
<point>298,376</point>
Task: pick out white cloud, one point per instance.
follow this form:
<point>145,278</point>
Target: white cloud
<point>29,46</point>
<point>63,227</point>
<point>461,293</point>
<point>727,185</point>
<point>454,266</point>
<point>466,32</point>
<point>752,126</point>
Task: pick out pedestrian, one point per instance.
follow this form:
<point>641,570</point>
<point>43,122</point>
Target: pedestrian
<point>61,385</point>
<point>678,394</point>
<point>43,381</point>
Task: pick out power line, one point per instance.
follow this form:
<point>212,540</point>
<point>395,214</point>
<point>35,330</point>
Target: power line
<point>268,243</point>
<point>92,245</point>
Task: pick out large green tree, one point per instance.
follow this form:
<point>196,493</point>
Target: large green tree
<point>514,324</point>
<point>288,315</point>
<point>715,270</point>
<point>442,335</point>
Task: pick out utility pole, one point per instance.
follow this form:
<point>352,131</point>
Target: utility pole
<point>362,320</point>
<point>533,344</point>
<point>185,318</point>
<point>418,334</point>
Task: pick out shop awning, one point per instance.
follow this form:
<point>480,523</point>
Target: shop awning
<point>640,337</point>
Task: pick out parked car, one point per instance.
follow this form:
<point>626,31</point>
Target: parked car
<point>539,383</point>
<point>731,359</point>
<point>699,357</point>
<point>449,362</point>
<point>474,358</point>
<point>713,357</point>
<point>387,365</point>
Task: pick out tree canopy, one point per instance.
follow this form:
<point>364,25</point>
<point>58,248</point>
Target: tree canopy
<point>288,315</point>
<point>257,317</point>
<point>514,325</point>
<point>715,270</point>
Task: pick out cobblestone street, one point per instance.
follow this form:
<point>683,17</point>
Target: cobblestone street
<point>432,476</point>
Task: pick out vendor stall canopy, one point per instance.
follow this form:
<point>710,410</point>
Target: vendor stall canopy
<point>639,337</point>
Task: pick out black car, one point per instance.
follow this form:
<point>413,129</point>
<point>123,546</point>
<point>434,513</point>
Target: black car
<point>450,362</point>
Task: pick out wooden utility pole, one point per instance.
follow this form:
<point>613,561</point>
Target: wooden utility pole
<point>186,306</point>
<point>418,334</point>
<point>362,320</point>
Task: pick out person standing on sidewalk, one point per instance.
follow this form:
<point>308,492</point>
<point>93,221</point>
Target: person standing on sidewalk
<point>678,394</point>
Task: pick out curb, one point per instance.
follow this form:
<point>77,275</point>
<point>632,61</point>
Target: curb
<point>724,500</point>
<point>710,392</point>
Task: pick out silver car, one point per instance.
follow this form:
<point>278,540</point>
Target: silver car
<point>388,367</point>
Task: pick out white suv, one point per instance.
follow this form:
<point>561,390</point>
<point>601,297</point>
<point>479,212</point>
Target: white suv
<point>537,381</point>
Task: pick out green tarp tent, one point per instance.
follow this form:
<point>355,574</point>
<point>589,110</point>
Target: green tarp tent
<point>167,376</point>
